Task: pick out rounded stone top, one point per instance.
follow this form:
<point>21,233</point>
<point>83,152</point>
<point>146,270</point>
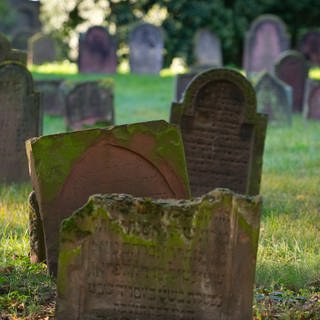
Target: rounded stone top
<point>220,75</point>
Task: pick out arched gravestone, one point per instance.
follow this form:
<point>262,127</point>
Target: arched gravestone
<point>309,46</point>
<point>274,98</point>
<point>41,49</point>
<point>20,119</point>
<point>88,104</point>
<point>97,52</point>
<point>292,69</point>
<point>146,49</point>
<point>207,49</point>
<point>264,42</point>
<point>9,54</point>
<point>142,159</point>
<point>312,100</point>
<point>222,133</point>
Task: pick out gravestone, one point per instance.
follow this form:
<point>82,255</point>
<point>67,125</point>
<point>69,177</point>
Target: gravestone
<point>9,54</point>
<point>274,98</point>
<point>89,104</point>
<point>20,119</point>
<point>146,49</point>
<point>20,39</point>
<point>52,96</point>
<point>134,258</point>
<point>182,81</point>
<point>312,100</point>
<point>41,49</point>
<point>207,49</point>
<point>264,42</point>
<point>97,52</point>
<point>222,133</point>
<point>292,69</point>
<point>309,46</point>
<point>142,159</point>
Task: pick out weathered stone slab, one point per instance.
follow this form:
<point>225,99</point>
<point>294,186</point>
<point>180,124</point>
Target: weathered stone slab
<point>207,49</point>
<point>274,98</point>
<point>312,100</point>
<point>292,68</point>
<point>143,159</point>
<point>89,104</point>
<point>52,96</point>
<point>20,119</point>
<point>20,39</point>
<point>8,54</point>
<point>264,42</point>
<point>97,52</point>
<point>223,134</point>
<point>309,46</point>
<point>133,258</point>
<point>146,49</point>
<point>41,49</point>
<point>182,81</point>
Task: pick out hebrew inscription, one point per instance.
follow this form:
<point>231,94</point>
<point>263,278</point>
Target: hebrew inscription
<point>145,259</point>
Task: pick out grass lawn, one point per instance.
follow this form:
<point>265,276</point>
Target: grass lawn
<point>288,266</point>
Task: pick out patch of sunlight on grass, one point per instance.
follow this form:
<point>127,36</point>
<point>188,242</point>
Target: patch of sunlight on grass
<point>314,73</point>
<point>64,67</point>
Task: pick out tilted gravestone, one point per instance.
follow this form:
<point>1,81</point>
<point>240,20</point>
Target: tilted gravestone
<point>20,119</point>
<point>312,100</point>
<point>182,81</point>
<point>264,42</point>
<point>134,258</point>
<point>146,49</point>
<point>274,98</point>
<point>292,69</point>
<point>9,54</point>
<point>207,49</point>
<point>41,49</point>
<point>97,52</point>
<point>143,159</point>
<point>52,96</point>
<point>89,104</point>
<point>309,46</point>
<point>223,134</point>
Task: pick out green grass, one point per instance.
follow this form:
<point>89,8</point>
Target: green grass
<point>289,251</point>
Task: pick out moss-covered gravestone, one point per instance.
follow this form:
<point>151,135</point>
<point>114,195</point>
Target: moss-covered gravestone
<point>9,54</point>
<point>135,258</point>
<point>144,159</point>
<point>89,104</point>
<point>223,134</point>
<point>20,119</point>
<point>274,98</point>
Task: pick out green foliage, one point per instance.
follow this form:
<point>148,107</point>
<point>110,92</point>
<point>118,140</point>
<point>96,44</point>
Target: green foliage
<point>229,19</point>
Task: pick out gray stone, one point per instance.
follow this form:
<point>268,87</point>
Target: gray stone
<point>9,54</point>
<point>223,134</point>
<point>146,49</point>
<point>142,159</point>
<point>264,42</point>
<point>291,67</point>
<point>135,258</point>
<point>52,96</point>
<point>207,49</point>
<point>41,49</point>
<point>21,118</point>
<point>274,98</point>
<point>182,81</point>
